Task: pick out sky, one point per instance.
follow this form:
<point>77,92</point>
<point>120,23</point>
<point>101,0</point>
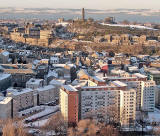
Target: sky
<point>90,4</point>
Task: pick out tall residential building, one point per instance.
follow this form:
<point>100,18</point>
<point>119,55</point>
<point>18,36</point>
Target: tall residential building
<point>145,90</point>
<point>108,102</point>
<point>69,104</point>
<point>128,107</point>
<point>115,101</point>
<point>148,96</point>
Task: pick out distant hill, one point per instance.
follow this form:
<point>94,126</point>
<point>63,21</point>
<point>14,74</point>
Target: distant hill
<point>139,15</point>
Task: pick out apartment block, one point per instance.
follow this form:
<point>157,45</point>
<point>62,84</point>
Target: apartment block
<point>145,90</point>
<point>22,99</point>
<point>103,103</point>
<point>45,94</point>
<point>148,96</point>
<point>5,107</point>
<point>115,101</point>
<point>69,104</point>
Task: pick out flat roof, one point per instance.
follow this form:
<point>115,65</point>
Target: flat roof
<point>97,78</point>
<point>57,82</point>
<point>140,75</point>
<point>154,71</point>
<point>13,91</point>
<point>120,84</point>
<point>34,81</point>
<point>70,88</point>
<point>117,77</point>
<point>45,88</point>
<point>5,100</point>
<point>19,71</point>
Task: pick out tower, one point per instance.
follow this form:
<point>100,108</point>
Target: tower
<point>83,14</point>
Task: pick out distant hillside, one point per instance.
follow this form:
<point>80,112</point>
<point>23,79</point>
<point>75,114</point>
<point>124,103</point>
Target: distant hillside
<point>92,29</point>
<point>138,15</point>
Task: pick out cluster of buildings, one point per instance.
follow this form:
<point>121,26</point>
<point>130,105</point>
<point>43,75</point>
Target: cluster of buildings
<point>108,87</point>
<point>114,98</point>
<point>33,35</point>
<point>95,85</point>
<point>127,39</point>
<point>38,33</point>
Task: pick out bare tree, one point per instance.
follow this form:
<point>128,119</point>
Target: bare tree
<point>20,129</point>
<point>10,128</point>
<point>85,127</point>
<point>89,127</point>
<point>71,131</point>
<point>57,124</point>
<point>108,130</point>
<point>156,131</point>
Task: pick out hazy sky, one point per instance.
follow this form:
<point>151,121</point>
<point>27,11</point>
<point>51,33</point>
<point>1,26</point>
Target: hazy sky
<point>93,4</point>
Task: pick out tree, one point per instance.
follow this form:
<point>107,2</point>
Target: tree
<point>108,130</point>
<point>90,127</point>
<point>10,128</point>
<point>156,131</point>
<point>125,22</point>
<point>57,124</point>
<point>85,127</point>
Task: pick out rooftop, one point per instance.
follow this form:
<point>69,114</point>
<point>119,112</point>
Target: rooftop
<point>19,71</point>
<point>15,92</point>
<point>46,88</point>
<point>34,81</point>
<point>70,88</point>
<point>5,100</point>
<point>57,82</point>
<point>119,84</point>
<point>140,75</point>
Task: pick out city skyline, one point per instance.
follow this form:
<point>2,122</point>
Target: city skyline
<point>97,4</point>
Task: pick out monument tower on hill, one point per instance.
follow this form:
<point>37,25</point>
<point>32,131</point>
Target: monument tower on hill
<point>83,14</point>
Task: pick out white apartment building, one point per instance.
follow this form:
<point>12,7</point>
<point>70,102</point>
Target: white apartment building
<point>22,99</point>
<point>148,96</point>
<point>97,100</point>
<point>109,102</point>
<point>127,107</point>
<point>145,90</point>
<point>145,94</point>
<point>5,107</point>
